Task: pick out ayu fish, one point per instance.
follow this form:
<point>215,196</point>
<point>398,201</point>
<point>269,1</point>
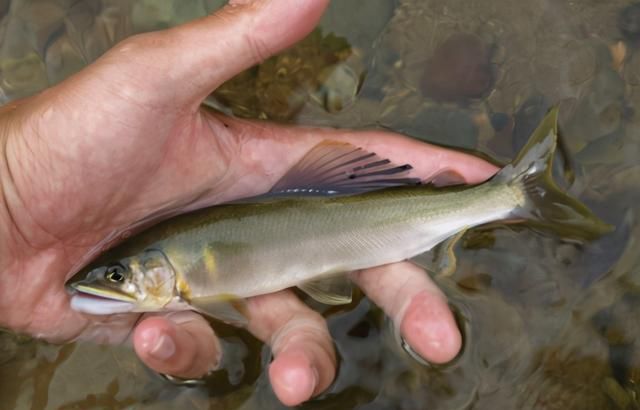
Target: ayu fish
<point>338,210</point>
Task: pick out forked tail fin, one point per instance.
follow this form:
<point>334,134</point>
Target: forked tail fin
<point>546,205</point>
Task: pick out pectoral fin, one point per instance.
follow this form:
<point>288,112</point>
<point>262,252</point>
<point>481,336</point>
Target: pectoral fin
<point>335,290</point>
<point>226,309</point>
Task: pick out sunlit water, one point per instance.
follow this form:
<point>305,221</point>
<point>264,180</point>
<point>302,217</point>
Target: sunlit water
<point>548,324</point>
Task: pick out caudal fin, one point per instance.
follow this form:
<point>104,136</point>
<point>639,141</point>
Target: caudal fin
<point>546,205</point>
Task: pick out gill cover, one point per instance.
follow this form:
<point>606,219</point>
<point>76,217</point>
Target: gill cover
<point>144,282</point>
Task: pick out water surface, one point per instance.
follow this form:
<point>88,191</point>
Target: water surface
<point>548,324</point>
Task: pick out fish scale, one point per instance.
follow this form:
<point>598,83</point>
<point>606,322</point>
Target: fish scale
<point>338,210</point>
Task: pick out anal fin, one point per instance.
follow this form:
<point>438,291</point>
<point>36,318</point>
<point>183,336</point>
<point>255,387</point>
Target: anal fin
<point>334,290</point>
<point>441,260</point>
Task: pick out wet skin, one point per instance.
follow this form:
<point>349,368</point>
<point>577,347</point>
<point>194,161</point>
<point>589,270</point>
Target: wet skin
<point>126,137</point>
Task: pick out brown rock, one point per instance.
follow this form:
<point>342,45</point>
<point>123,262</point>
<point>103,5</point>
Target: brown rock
<point>459,69</point>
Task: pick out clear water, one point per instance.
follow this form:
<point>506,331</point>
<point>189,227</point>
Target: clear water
<point>548,324</point>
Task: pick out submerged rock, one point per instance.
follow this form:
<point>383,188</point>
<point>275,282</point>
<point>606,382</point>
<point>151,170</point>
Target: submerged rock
<point>569,380</point>
<point>278,88</point>
<point>459,69</point>
<point>441,125</point>
<point>629,22</point>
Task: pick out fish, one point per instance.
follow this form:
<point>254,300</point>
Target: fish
<point>339,209</point>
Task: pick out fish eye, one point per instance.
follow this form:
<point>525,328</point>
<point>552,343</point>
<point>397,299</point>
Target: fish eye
<point>115,274</point>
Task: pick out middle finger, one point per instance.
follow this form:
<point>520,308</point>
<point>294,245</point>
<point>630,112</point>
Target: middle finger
<point>305,362</point>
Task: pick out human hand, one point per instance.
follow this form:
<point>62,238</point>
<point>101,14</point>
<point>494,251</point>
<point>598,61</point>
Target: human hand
<point>126,138</point>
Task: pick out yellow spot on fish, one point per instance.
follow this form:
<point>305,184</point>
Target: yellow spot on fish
<point>209,258</point>
<point>134,265</point>
<point>183,287</point>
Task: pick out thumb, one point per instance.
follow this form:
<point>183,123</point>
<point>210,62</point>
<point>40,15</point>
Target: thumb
<point>202,54</point>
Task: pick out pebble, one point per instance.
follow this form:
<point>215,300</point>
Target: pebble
<point>459,69</point>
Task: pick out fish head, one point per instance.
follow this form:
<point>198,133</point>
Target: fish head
<point>143,282</point>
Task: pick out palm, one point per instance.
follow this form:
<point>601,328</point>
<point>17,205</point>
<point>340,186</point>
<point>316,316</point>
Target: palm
<point>130,166</point>
<point>145,154</point>
<point>125,139</point>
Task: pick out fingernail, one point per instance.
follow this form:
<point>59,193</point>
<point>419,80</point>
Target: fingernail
<point>447,178</point>
<point>297,382</point>
<point>163,348</point>
<point>310,387</point>
<point>431,329</point>
<point>315,378</point>
<point>411,352</point>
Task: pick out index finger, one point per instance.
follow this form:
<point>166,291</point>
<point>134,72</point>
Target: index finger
<point>261,153</point>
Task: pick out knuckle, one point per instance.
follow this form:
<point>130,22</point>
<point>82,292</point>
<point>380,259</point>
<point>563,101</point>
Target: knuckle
<point>137,42</point>
<point>257,48</point>
<point>308,327</point>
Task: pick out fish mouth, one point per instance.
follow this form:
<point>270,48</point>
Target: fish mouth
<point>101,293</point>
<point>97,301</point>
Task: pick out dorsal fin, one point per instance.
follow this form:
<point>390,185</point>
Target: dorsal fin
<point>334,168</point>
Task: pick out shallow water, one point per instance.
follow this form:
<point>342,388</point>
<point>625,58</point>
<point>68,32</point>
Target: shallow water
<point>548,324</point>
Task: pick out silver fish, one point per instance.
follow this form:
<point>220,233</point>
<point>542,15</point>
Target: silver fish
<point>338,210</point>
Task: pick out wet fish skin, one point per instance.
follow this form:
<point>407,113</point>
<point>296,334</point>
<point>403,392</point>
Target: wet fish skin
<point>250,249</point>
<point>205,259</point>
